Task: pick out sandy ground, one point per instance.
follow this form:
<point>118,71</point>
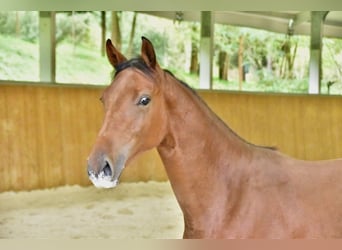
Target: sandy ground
<point>131,210</point>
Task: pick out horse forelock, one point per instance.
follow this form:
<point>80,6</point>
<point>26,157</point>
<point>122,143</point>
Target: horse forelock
<point>137,63</point>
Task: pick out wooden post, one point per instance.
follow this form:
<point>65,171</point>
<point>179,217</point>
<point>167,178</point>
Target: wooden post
<point>206,49</point>
<point>47,46</point>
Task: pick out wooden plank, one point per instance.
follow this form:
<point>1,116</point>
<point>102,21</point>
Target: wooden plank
<point>30,128</point>
<point>5,128</point>
<point>306,127</point>
<point>17,149</point>
<point>50,137</point>
<point>69,134</point>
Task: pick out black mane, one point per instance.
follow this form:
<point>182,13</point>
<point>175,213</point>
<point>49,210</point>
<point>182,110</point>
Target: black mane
<point>138,63</point>
<point>205,104</point>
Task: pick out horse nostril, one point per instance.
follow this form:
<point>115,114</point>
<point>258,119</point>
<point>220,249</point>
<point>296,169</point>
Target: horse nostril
<point>107,169</point>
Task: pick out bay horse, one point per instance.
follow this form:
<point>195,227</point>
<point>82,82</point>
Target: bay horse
<point>225,186</point>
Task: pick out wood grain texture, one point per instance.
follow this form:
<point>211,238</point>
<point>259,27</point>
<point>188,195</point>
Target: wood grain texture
<point>46,132</point>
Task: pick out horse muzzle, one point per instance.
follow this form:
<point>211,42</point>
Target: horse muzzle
<point>104,173</point>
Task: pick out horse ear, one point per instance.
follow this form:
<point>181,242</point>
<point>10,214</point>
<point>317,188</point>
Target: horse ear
<point>147,53</point>
<point>114,56</point>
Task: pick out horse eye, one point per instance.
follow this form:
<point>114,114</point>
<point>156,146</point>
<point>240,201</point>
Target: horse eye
<point>144,100</point>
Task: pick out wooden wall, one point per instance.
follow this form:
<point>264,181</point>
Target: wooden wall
<point>46,132</point>
<point>308,127</point>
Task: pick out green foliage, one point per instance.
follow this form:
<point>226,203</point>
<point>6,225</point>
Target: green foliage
<point>79,59</point>
<point>332,60</point>
<point>29,26</point>
<point>7,22</point>
<point>273,86</point>
<point>27,21</point>
<point>75,27</point>
<point>226,38</point>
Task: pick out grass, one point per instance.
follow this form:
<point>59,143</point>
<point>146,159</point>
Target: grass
<point>271,85</point>
<point>19,61</point>
<point>81,65</point>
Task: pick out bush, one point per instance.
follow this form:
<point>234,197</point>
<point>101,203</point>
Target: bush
<point>7,22</point>
<point>27,21</point>
<point>74,27</point>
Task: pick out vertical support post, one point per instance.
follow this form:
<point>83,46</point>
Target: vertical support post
<point>240,61</point>
<point>206,49</point>
<point>315,70</point>
<point>47,46</point>
<point>103,33</point>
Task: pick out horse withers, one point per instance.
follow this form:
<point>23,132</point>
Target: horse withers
<point>225,186</point>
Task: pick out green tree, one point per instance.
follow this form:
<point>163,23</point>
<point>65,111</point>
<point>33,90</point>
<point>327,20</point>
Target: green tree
<point>226,48</point>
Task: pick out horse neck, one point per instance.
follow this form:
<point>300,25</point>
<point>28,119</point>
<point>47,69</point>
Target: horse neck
<point>199,151</point>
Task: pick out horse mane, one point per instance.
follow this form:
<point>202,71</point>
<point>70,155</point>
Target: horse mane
<point>206,105</point>
<point>183,83</point>
<point>139,64</point>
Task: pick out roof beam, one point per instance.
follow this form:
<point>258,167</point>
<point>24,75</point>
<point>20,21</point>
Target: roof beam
<point>276,14</point>
<point>252,20</point>
<point>301,17</point>
<point>274,21</point>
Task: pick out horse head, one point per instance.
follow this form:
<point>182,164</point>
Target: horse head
<point>134,119</point>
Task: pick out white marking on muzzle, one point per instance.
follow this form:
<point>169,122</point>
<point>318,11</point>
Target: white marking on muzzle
<point>109,181</point>
<point>102,181</point>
